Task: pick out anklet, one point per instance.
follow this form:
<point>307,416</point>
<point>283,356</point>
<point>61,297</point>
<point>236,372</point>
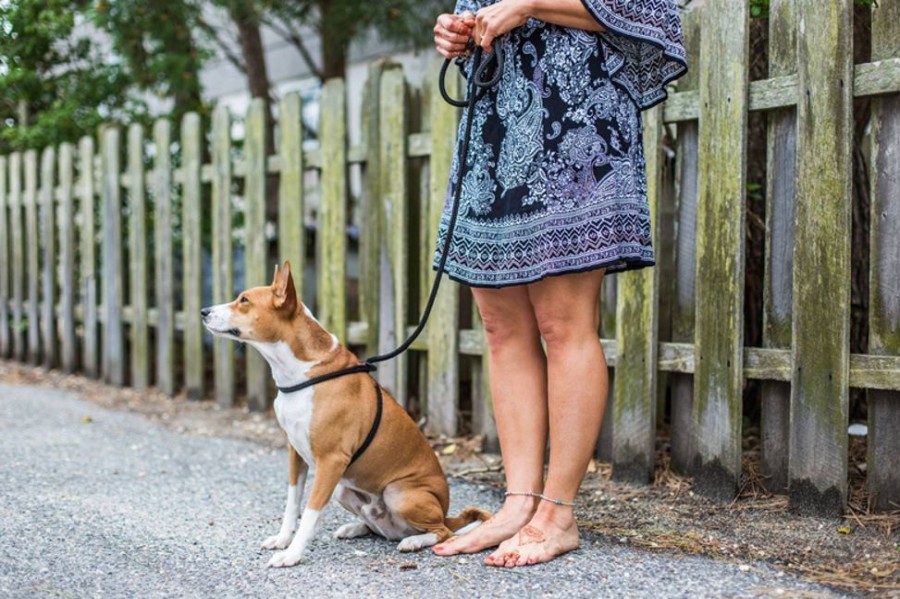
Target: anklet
<point>541,496</point>
<point>557,501</point>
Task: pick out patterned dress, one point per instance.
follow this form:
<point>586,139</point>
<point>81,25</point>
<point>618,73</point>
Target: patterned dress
<point>554,179</point>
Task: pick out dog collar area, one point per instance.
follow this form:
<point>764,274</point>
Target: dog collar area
<point>364,367</point>
<point>379,408</point>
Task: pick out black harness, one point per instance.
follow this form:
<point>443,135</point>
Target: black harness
<point>479,83</point>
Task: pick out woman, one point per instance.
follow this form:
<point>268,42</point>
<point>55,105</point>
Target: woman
<point>553,197</point>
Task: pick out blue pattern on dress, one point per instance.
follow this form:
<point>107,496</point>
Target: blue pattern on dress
<point>555,180</point>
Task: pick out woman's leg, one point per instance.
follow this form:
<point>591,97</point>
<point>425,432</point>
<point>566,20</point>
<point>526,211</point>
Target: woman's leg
<point>518,373</point>
<point>567,312</point>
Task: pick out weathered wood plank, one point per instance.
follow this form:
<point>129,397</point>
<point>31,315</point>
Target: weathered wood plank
<point>779,261</point>
<point>137,260</point>
<point>163,259</point>
<point>869,79</point>
<point>112,277</point>
<point>6,262</point>
<point>371,240</point>
<point>69,356</point>
<point>291,229</point>
<point>821,289</point>
<point>443,326</point>
<point>718,381</point>
<point>32,256</point>
<point>637,320</point>
<point>89,278</point>
<point>682,386</point>
<point>395,205</point>
<point>883,475</point>
<point>17,249</point>
<point>48,257</point>
<point>222,251</point>
<point>256,271</point>
<point>332,231</point>
<point>192,258</point>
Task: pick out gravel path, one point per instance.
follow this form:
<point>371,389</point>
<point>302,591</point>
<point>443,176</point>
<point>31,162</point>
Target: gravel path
<point>99,503</point>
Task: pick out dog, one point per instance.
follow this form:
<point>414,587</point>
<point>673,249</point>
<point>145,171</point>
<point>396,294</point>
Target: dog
<point>396,488</point>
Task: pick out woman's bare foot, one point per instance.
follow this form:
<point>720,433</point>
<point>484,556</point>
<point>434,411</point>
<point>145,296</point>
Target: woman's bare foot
<point>551,533</point>
<point>515,513</point>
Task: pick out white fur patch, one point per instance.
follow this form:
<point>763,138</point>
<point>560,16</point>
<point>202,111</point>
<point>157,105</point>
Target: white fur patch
<point>417,542</point>
<point>352,530</point>
<point>287,370</point>
<point>291,556</point>
<point>289,522</point>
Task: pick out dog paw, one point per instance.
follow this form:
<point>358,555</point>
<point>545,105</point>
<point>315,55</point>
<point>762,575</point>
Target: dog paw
<point>351,531</point>
<point>284,559</point>
<point>417,542</point>
<point>279,541</point>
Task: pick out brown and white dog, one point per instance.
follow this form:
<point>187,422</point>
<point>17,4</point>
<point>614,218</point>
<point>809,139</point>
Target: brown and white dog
<point>396,488</point>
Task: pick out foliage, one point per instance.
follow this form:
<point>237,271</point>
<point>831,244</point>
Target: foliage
<point>156,43</point>
<point>52,78</point>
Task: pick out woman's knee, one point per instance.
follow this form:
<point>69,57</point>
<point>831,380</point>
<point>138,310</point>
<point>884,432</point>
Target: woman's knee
<point>561,326</point>
<point>507,320</point>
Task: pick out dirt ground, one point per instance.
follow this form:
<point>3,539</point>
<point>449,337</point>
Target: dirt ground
<point>858,554</point>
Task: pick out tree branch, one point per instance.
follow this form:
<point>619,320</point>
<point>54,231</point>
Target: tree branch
<point>293,36</point>
<point>213,34</point>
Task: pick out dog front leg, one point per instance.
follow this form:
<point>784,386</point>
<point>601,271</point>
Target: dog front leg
<point>297,472</point>
<point>328,475</point>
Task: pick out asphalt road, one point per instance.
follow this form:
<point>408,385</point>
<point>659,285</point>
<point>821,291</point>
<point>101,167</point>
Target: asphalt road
<point>99,503</point>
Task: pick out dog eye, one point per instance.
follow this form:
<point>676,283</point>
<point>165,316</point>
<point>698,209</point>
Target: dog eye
<point>244,300</point>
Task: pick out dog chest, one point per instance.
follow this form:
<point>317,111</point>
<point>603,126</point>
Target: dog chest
<point>294,414</point>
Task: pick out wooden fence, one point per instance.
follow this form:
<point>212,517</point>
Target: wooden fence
<point>90,279</point>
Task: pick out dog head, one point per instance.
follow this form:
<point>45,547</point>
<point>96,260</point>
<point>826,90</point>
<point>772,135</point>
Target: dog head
<point>265,316</point>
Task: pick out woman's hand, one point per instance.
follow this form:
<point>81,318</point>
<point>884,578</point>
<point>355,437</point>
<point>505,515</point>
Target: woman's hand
<point>452,34</point>
<point>499,19</point>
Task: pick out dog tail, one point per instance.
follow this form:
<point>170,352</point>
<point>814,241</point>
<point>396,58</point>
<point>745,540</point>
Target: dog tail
<point>466,517</point>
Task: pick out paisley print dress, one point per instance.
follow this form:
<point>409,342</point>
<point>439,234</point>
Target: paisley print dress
<point>554,179</point>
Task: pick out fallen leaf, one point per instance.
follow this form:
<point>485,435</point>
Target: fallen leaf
<point>87,419</point>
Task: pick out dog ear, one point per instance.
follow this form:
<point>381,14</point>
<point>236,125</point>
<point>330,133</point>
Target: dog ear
<point>283,285</point>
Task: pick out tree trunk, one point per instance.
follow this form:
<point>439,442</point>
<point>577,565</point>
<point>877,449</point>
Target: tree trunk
<point>335,42</point>
<point>247,21</point>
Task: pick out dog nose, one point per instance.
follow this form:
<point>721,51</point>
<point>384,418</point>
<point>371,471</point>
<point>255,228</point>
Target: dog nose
<point>205,312</point>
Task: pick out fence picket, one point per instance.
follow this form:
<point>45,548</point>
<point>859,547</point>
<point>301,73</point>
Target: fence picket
<point>88,254</point>
<point>192,258</point>
<point>634,402</point>
<point>395,204</point>
<point>683,319</point>
<point>443,328</point>
<point>164,277</point>
<point>819,383</point>
<point>222,251</point>
<point>372,242</point>
<point>48,257</point>
<point>884,310</point>
<point>331,249</point>
<point>256,271</point>
<point>111,280</point>
<point>32,257</point>
<point>6,261</point>
<point>67,258</point>
<point>780,193</point>
<point>18,256</point>
<point>291,207</point>
<point>137,259</point>
<point>718,378</point>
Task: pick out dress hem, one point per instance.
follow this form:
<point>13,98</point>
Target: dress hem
<point>612,267</point>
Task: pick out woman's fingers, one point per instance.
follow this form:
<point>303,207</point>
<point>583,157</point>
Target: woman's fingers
<point>452,33</point>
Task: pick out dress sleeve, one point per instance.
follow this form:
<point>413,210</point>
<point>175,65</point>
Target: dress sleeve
<point>644,47</point>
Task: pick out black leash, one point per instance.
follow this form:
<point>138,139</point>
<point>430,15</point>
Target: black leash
<point>479,84</point>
